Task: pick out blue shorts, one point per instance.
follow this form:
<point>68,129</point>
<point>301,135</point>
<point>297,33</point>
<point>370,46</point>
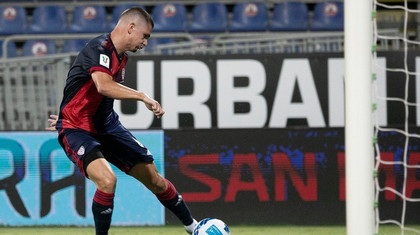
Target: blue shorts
<point>118,146</point>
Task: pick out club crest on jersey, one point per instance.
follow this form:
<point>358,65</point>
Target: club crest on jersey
<point>81,151</point>
<point>104,60</point>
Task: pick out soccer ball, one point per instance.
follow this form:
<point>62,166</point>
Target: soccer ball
<point>211,226</point>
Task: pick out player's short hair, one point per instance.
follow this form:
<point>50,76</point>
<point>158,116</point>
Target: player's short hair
<point>139,12</point>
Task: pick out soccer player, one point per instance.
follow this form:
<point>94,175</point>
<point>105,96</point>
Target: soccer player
<point>90,132</point>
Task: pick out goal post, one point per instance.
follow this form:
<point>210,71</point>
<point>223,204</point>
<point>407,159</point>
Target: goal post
<point>358,114</point>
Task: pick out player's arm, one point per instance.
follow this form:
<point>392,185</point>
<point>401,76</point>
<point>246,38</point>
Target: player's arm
<point>107,87</point>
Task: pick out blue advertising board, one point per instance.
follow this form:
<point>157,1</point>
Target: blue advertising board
<point>39,185</point>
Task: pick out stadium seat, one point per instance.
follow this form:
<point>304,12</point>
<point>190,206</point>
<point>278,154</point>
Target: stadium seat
<point>249,16</point>
<point>38,48</point>
<point>170,17</point>
<point>49,19</point>
<point>11,49</point>
<point>52,0</point>
<point>74,45</point>
<point>290,16</point>
<point>209,17</point>
<point>117,10</point>
<point>13,20</point>
<point>328,16</point>
<point>89,19</point>
<point>14,1</point>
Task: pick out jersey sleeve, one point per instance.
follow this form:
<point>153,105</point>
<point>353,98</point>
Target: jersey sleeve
<point>100,59</point>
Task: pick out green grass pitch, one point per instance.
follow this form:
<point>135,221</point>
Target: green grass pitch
<point>178,230</point>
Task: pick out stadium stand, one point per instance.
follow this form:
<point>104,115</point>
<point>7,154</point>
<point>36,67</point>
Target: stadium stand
<point>48,19</point>
<point>290,16</point>
<point>17,1</point>
<point>89,19</point>
<point>221,26</point>
<point>249,16</point>
<point>328,16</point>
<point>209,17</point>
<point>118,9</point>
<point>52,0</point>
<point>170,17</point>
<point>38,48</point>
<point>13,20</point>
<point>74,45</point>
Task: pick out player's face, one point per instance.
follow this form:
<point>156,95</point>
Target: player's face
<point>141,34</point>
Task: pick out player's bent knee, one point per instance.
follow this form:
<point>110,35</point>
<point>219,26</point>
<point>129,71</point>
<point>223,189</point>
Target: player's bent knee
<point>107,183</point>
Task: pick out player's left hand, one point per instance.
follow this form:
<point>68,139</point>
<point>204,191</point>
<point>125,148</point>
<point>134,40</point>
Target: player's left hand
<point>53,121</point>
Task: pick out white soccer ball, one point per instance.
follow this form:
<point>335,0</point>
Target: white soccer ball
<point>211,226</point>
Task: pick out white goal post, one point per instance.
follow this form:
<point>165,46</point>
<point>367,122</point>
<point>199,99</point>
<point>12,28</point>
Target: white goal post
<point>358,125</point>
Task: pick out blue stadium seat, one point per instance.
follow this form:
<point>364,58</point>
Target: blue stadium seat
<point>89,19</point>
<point>49,19</point>
<point>24,1</point>
<point>209,17</point>
<point>290,16</point>
<point>11,49</point>
<point>170,17</point>
<point>117,10</point>
<point>38,48</point>
<point>13,20</point>
<point>249,16</point>
<point>328,16</point>
<point>52,0</point>
<point>74,45</point>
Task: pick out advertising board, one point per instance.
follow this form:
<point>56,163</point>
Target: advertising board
<point>39,185</point>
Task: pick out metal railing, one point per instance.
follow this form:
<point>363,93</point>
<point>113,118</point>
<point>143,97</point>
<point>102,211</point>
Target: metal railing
<point>268,42</point>
<point>30,90</point>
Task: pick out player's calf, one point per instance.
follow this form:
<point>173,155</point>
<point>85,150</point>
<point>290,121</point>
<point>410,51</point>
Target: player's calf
<point>172,200</point>
<point>102,207</point>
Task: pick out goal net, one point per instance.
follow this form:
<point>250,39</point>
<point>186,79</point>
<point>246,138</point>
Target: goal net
<point>396,116</point>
